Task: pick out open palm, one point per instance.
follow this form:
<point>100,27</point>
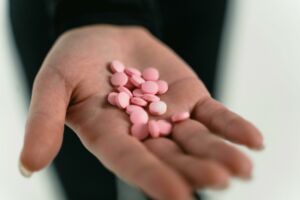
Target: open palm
<point>71,89</point>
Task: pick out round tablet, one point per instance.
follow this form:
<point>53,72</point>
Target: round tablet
<point>119,79</point>
<point>131,108</point>
<point>150,74</point>
<point>137,93</point>
<point>149,87</point>
<point>136,80</point>
<point>132,71</point>
<point>138,101</point>
<point>139,117</point>
<point>165,127</point>
<point>158,108</point>
<point>162,86</point>
<point>124,89</point>
<point>178,117</point>
<point>150,97</point>
<point>139,131</point>
<point>122,100</point>
<point>117,66</point>
<point>111,98</point>
<point>153,128</point>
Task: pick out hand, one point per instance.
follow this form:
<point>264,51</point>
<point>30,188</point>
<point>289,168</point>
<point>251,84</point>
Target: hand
<point>71,88</point>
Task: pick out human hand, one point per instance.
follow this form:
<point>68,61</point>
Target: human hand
<point>71,88</point>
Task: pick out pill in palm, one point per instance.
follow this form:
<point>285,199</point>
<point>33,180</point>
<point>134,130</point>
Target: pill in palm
<point>138,101</point>
<point>131,108</point>
<point>132,71</point>
<point>162,86</point>
<point>178,117</point>
<point>158,108</point>
<point>117,66</point>
<point>139,117</point>
<point>153,128</point>
<point>124,89</point>
<point>139,131</point>
<point>150,97</point>
<point>149,87</point>
<point>137,93</point>
<point>150,74</point>
<point>165,127</point>
<point>122,100</point>
<point>136,80</point>
<point>119,79</point>
<point>111,98</point>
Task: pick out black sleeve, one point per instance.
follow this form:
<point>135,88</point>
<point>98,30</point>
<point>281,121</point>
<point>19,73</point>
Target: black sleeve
<point>74,13</point>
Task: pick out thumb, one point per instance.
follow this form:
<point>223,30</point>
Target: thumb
<point>45,122</point>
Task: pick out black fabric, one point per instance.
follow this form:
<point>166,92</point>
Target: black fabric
<point>192,28</point>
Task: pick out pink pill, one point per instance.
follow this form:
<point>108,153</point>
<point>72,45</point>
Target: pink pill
<point>138,101</point>
<point>150,74</point>
<point>139,117</point>
<point>149,87</point>
<point>117,66</point>
<point>158,108</point>
<point>122,100</point>
<point>119,79</point>
<point>178,117</point>
<point>137,93</point>
<point>132,108</point>
<point>150,97</point>
<point>136,80</point>
<point>111,98</point>
<point>153,128</point>
<point>165,127</point>
<point>124,89</point>
<point>139,131</point>
<point>132,71</point>
<point>162,86</point>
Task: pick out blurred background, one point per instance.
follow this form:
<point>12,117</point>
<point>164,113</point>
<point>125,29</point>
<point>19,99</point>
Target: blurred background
<point>258,78</point>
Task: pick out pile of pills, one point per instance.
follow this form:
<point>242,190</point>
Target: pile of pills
<point>137,93</point>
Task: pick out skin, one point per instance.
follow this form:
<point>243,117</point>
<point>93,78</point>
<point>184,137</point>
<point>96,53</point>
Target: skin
<point>71,89</point>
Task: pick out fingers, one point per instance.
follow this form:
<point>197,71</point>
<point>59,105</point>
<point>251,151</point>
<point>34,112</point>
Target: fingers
<point>45,122</point>
<point>199,172</point>
<point>195,139</point>
<point>227,124</point>
<point>129,159</point>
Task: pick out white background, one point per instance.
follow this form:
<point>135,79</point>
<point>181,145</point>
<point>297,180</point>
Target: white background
<point>260,65</point>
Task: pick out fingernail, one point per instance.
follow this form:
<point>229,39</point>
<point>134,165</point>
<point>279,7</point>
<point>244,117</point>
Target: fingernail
<point>24,171</point>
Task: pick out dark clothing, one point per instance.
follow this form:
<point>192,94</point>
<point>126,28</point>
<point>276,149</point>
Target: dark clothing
<point>192,28</point>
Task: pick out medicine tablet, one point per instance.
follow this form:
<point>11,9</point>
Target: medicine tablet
<point>162,86</point>
<point>111,98</point>
<point>153,128</point>
<point>178,117</point>
<point>136,80</point>
<point>122,100</point>
<point>165,127</point>
<point>117,66</point>
<point>137,93</point>
<point>149,87</point>
<point>139,117</point>
<point>132,71</point>
<point>150,97</point>
<point>119,79</point>
<point>138,101</point>
<point>131,108</point>
<point>124,89</point>
<point>158,108</point>
<point>150,74</point>
<point>139,131</point>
